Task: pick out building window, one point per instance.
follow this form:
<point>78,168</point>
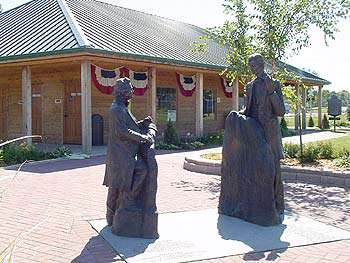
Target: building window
<point>166,105</point>
<point>209,101</point>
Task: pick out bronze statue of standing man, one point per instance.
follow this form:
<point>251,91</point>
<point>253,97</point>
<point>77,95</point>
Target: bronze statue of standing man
<point>131,169</point>
<point>264,103</point>
<point>251,184</point>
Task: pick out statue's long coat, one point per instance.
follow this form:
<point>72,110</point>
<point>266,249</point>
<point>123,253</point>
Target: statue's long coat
<point>123,145</point>
<point>247,172</point>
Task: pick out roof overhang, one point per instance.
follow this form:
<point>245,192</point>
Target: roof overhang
<point>125,56</point>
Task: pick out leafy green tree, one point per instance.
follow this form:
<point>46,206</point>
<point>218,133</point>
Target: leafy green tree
<point>348,113</point>
<point>277,29</point>
<point>311,122</point>
<point>344,96</point>
<point>284,128</point>
<point>282,27</point>
<point>170,134</point>
<point>325,96</point>
<point>325,122</point>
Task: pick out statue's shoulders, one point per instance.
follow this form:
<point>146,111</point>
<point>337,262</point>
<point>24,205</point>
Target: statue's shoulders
<point>117,108</point>
<point>276,83</point>
<point>249,85</point>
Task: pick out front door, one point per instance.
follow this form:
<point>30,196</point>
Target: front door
<point>36,112</point>
<point>3,113</point>
<point>72,115</point>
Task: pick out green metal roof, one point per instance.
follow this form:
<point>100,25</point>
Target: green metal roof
<point>50,27</point>
<point>38,26</point>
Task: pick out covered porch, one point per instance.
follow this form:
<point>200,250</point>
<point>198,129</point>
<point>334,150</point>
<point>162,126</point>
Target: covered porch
<point>56,98</point>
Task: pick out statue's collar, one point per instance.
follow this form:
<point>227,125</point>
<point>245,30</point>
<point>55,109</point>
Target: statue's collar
<point>120,101</point>
<point>262,76</point>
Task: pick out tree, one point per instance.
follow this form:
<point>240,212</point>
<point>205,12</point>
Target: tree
<point>344,96</point>
<point>234,34</point>
<point>325,96</point>
<point>325,122</point>
<point>170,134</point>
<point>311,122</point>
<point>277,29</point>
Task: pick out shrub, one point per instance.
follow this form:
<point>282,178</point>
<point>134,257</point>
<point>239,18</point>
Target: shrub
<point>310,154</point>
<point>62,151</point>
<point>170,134</point>
<point>165,146</point>
<point>192,145</point>
<point>291,150</point>
<point>325,122</point>
<point>343,123</point>
<point>284,128</point>
<point>216,138</point>
<point>343,159</point>
<point>348,113</point>
<point>311,122</point>
<point>326,150</point>
<point>18,154</point>
<point>344,152</point>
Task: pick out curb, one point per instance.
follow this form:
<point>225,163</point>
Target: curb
<point>290,174</point>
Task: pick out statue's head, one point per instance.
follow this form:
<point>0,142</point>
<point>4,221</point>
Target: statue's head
<point>123,89</point>
<point>257,64</point>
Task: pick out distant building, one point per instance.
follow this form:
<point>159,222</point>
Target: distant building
<point>57,61</point>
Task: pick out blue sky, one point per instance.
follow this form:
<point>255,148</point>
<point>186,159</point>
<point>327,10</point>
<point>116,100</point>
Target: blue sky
<point>332,62</point>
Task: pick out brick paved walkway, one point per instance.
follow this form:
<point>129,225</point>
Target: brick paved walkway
<point>46,207</point>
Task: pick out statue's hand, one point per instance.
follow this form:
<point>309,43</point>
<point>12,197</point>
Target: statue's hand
<point>147,139</point>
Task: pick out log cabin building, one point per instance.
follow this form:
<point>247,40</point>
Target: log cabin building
<point>59,58</point>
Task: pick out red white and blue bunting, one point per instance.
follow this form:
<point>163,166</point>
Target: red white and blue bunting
<point>139,81</point>
<point>187,84</point>
<point>105,79</point>
<point>227,88</point>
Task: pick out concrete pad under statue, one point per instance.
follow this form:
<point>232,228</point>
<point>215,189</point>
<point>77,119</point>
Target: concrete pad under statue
<point>198,235</point>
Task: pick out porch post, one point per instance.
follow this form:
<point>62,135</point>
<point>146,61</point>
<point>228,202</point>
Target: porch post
<point>86,107</point>
<point>27,103</point>
<point>319,105</point>
<point>297,110</point>
<point>303,109</point>
<point>235,95</point>
<point>199,104</point>
<point>153,87</point>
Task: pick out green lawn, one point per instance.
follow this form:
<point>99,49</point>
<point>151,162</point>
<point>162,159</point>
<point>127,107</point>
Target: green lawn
<point>341,143</point>
<point>290,120</point>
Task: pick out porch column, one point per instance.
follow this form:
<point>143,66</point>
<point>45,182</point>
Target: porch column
<point>199,104</point>
<point>86,127</point>
<point>303,109</point>
<point>235,95</point>
<point>27,103</point>
<point>319,105</point>
<point>297,110</point>
<point>153,90</point>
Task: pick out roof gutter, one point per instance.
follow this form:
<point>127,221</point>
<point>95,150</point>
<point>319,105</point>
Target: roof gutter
<point>4,60</point>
